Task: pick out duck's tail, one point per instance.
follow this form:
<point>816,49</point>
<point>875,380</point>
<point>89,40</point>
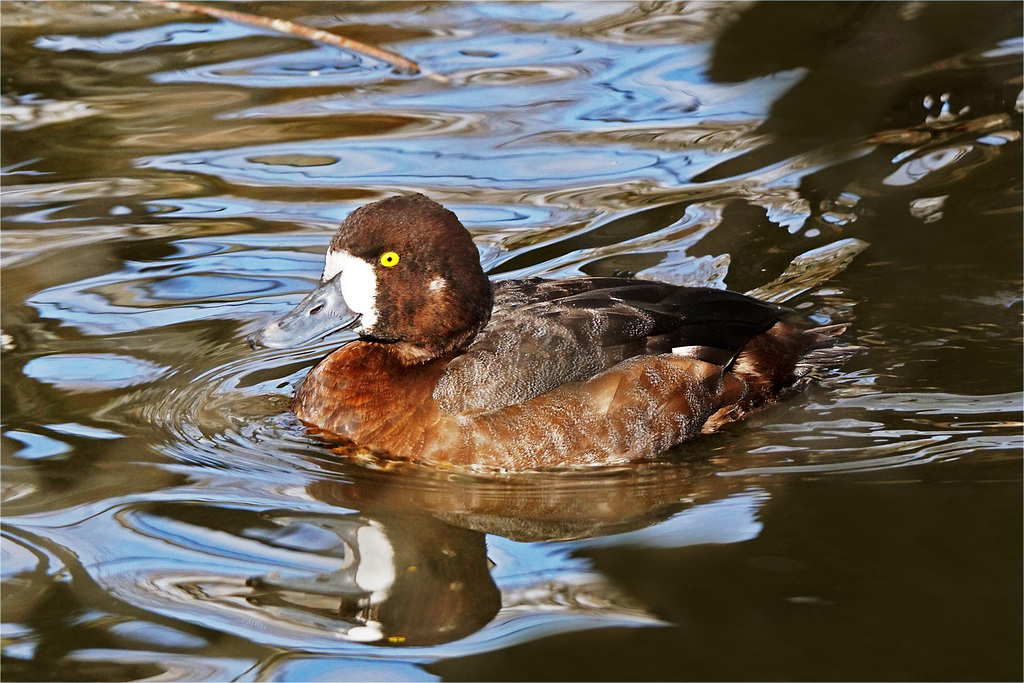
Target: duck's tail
<point>776,362</point>
<point>822,353</point>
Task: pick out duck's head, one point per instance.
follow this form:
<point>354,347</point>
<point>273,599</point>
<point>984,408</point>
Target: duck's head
<point>402,270</point>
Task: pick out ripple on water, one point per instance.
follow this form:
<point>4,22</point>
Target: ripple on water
<point>912,429</point>
<point>212,274</point>
<point>92,371</point>
<point>37,446</point>
<point>147,38</point>
<point>232,416</point>
<point>436,161</point>
<point>328,65</point>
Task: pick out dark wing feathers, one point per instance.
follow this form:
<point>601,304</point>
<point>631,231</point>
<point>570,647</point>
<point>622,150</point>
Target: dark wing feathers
<point>552,332</point>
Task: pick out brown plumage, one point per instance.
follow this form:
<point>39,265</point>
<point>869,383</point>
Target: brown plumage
<point>532,373</point>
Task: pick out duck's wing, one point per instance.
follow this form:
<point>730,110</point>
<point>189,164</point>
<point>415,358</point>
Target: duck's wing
<point>545,333</point>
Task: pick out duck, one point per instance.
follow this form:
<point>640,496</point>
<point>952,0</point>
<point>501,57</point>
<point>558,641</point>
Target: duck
<point>452,370</point>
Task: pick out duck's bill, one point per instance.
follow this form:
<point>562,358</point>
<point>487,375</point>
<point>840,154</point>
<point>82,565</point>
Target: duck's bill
<point>322,312</point>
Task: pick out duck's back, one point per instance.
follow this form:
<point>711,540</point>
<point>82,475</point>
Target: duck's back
<point>543,334</point>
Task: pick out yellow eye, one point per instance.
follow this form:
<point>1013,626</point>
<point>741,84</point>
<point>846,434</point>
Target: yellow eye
<point>389,259</point>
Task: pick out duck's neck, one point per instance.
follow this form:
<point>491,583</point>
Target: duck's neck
<point>441,325</point>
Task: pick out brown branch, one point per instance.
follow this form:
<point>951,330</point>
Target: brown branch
<point>291,28</point>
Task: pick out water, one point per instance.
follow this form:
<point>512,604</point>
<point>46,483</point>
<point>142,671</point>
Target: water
<point>170,183</point>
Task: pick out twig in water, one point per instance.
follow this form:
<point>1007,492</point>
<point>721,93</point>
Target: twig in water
<point>291,28</point>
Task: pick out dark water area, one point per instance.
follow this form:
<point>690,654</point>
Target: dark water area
<point>171,181</point>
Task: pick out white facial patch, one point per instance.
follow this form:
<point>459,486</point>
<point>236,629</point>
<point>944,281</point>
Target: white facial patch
<point>437,284</point>
<point>358,284</point>
<point>376,571</point>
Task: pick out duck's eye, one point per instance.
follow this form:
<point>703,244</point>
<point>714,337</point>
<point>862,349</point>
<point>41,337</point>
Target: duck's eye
<point>389,259</point>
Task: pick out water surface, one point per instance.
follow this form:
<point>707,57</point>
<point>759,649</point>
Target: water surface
<point>170,183</point>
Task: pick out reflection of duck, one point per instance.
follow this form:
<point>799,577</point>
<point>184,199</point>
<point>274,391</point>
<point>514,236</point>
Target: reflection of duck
<point>409,580</point>
<point>415,569</point>
<point>535,506</point>
<point>525,373</point>
<point>406,580</point>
